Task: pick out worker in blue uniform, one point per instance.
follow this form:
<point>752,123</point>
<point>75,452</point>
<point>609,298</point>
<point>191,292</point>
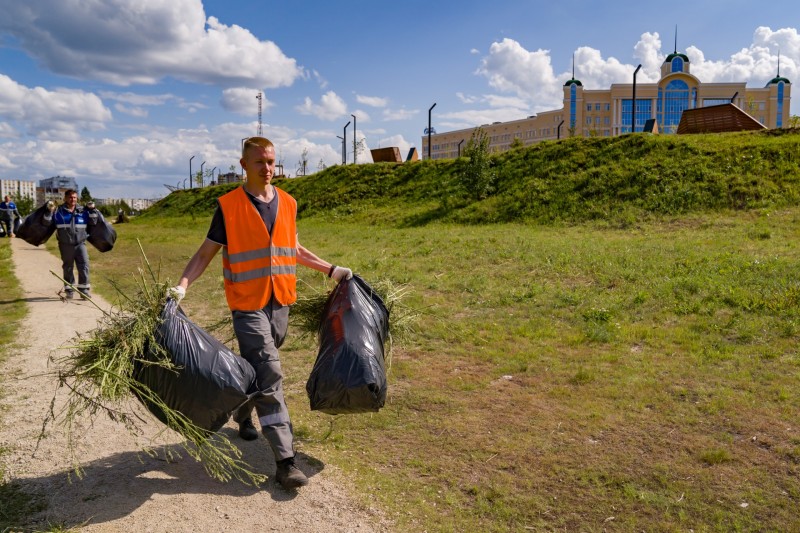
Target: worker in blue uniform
<point>71,223</point>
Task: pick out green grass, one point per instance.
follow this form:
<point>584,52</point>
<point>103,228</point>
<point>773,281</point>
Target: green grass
<point>15,503</point>
<point>560,375</point>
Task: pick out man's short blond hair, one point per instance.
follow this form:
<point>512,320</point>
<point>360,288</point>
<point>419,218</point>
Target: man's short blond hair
<point>263,142</point>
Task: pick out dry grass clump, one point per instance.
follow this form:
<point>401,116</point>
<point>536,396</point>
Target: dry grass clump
<point>99,376</point>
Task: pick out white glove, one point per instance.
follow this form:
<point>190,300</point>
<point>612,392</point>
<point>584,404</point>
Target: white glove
<point>340,273</point>
<point>177,293</point>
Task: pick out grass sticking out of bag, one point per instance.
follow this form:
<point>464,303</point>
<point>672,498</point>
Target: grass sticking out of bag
<point>307,311</point>
<point>99,374</point>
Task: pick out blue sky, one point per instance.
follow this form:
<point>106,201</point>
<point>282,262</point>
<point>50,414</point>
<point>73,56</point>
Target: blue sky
<point>121,94</point>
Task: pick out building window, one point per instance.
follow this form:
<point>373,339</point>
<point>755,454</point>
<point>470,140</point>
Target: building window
<point>597,107</point>
<point>715,101</point>
<point>608,107</point>
<point>677,64</point>
<point>672,100</point>
<point>588,107</point>
<point>644,111</point>
<point>573,92</point>
<point>588,120</point>
<point>779,123</point>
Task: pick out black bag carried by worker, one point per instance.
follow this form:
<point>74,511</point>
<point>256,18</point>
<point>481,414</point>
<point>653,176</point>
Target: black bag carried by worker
<point>17,223</point>
<point>101,234</point>
<point>349,375</point>
<point>37,227</point>
<point>211,382</point>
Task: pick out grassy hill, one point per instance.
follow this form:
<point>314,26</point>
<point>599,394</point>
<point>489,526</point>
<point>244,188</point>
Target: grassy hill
<point>620,179</point>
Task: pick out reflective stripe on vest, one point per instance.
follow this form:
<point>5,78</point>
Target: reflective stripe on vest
<point>255,265</point>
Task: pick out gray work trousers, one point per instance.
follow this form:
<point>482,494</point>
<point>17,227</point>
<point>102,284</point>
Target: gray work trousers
<point>260,334</point>
<point>75,254</point>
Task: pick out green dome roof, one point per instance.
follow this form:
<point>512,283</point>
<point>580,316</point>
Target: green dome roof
<point>777,79</point>
<point>573,81</point>
<point>673,55</point>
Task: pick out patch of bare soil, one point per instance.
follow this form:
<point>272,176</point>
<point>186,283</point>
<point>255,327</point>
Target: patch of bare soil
<point>123,489</point>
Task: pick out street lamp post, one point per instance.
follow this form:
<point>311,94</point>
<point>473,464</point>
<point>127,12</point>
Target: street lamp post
<point>342,139</point>
<point>201,171</point>
<point>429,130</point>
<point>241,169</point>
<point>212,173</point>
<point>184,182</point>
<point>344,144</point>
<point>355,151</point>
<point>459,147</point>
<point>190,173</point>
<point>558,131</point>
<point>633,109</point>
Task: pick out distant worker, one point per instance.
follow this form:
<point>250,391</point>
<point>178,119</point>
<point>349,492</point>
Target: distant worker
<point>71,223</point>
<point>255,227</point>
<point>8,212</point>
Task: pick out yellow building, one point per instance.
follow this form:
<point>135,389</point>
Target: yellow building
<point>609,112</point>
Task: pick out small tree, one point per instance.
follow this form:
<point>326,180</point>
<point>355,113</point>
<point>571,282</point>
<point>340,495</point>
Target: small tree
<point>86,196</point>
<point>476,179</point>
<point>25,205</point>
<point>516,144</point>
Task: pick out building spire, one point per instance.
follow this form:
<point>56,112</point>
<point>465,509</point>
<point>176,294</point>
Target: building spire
<point>676,39</point>
<point>779,62</point>
<point>573,66</point>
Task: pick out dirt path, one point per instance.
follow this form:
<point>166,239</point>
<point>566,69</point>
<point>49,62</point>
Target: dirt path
<point>124,490</point>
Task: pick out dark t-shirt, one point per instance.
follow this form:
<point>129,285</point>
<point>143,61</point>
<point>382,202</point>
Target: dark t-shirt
<point>267,210</point>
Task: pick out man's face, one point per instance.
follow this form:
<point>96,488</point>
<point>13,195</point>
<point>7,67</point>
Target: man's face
<point>71,200</point>
<point>259,162</point>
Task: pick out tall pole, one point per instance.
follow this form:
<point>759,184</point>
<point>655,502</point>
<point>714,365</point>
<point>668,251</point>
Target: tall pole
<point>459,147</point>
<point>429,130</point>
<point>633,109</point>
<point>212,174</point>
<point>344,144</point>
<point>190,173</point>
<point>241,169</point>
<point>342,139</point>
<point>355,147</point>
<point>558,134</point>
<point>201,171</point>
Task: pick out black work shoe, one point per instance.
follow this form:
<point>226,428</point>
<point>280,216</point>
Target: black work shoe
<point>69,295</point>
<point>85,295</point>
<point>289,476</point>
<point>247,430</point>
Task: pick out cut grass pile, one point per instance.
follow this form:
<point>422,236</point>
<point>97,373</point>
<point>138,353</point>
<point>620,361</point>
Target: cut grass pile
<point>99,375</point>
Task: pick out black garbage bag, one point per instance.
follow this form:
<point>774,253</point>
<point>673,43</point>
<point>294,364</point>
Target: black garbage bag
<point>101,234</point>
<point>349,375</point>
<point>37,227</point>
<point>212,381</point>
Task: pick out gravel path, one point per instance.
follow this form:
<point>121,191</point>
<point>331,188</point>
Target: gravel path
<point>122,489</point>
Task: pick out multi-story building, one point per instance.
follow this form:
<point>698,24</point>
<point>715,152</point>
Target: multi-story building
<point>54,188</point>
<point>18,189</point>
<point>610,112</point>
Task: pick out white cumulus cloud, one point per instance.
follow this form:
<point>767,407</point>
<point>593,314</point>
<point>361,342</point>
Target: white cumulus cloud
<point>143,42</point>
<point>330,107</point>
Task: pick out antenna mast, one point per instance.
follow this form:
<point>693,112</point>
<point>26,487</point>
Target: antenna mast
<point>259,131</point>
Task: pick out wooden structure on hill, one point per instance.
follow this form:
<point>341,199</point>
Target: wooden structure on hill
<point>386,155</point>
<point>717,119</point>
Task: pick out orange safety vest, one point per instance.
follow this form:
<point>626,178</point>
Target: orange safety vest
<point>256,265</point>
